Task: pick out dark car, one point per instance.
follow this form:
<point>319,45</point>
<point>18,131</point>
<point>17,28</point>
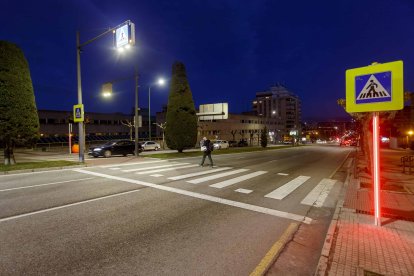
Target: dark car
<point>232,144</point>
<point>242,143</point>
<point>115,147</point>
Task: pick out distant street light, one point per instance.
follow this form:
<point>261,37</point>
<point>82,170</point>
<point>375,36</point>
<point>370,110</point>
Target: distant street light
<point>410,133</point>
<point>160,82</point>
<point>107,92</point>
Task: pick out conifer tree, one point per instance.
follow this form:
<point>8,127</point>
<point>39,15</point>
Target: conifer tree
<point>181,127</point>
<point>263,138</point>
<point>19,121</point>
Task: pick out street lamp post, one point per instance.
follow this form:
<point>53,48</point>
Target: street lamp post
<point>79,46</point>
<point>136,119</point>
<point>160,83</point>
<point>149,112</point>
<point>81,140</point>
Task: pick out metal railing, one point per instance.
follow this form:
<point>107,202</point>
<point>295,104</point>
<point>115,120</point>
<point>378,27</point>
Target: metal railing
<point>407,161</point>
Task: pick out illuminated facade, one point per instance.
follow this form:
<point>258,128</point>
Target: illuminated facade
<point>280,105</point>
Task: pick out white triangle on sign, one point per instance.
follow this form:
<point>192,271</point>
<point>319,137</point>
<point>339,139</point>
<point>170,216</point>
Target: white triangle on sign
<point>373,89</point>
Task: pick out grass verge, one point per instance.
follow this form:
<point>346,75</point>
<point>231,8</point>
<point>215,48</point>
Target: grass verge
<point>37,165</point>
<point>215,152</point>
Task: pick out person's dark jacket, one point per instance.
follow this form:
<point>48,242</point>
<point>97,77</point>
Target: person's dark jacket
<point>209,146</point>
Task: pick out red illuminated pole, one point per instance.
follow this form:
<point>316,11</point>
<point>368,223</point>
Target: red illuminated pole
<point>376,171</point>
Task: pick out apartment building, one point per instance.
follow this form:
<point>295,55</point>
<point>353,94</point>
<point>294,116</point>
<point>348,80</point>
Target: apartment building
<point>281,106</point>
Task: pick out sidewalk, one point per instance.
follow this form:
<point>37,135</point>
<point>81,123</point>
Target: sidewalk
<point>354,245</point>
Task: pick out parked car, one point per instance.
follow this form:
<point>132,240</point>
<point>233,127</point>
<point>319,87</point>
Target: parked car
<point>221,144</point>
<point>242,143</point>
<point>348,142</point>
<point>232,144</point>
<point>114,147</point>
<point>150,145</point>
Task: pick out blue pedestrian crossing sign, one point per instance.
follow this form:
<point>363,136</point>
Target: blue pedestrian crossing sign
<point>377,87</point>
<point>78,113</point>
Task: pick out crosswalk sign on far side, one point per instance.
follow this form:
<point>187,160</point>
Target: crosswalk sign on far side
<point>377,87</point>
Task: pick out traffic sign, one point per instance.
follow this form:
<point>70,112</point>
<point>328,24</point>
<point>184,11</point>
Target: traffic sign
<point>378,87</point>
<point>125,35</point>
<point>78,113</point>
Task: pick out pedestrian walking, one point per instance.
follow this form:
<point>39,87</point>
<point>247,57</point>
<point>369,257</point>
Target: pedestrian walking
<point>206,147</point>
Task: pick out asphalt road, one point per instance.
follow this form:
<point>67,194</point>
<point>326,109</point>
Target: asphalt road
<point>157,217</point>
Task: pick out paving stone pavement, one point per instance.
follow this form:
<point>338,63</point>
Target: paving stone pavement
<point>354,245</point>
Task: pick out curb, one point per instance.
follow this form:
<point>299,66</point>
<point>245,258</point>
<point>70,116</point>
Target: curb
<point>330,235</point>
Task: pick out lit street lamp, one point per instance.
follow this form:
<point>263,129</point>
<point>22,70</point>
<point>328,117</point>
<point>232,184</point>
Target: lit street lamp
<point>160,82</point>
<point>107,92</point>
<point>410,133</point>
<point>124,36</point>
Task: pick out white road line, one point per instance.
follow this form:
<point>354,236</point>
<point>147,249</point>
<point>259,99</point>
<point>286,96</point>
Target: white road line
<point>65,206</point>
<point>114,169</point>
<point>282,173</point>
<point>243,191</point>
<point>232,181</point>
<point>156,167</point>
<point>46,184</point>
<point>135,163</point>
<point>198,173</point>
<point>52,170</point>
<point>168,169</point>
<point>156,175</point>
<point>285,190</point>
<point>319,194</point>
<point>207,178</point>
<point>223,201</point>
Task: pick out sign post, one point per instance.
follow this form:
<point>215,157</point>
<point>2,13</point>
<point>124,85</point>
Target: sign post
<point>124,39</point>
<point>70,138</point>
<point>374,88</point>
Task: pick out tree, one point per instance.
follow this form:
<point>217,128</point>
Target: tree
<point>19,121</point>
<point>233,133</point>
<point>263,138</point>
<point>365,119</point>
<point>130,124</point>
<point>181,130</point>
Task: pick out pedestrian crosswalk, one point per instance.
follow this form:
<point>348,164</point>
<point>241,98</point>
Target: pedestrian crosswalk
<point>237,179</point>
<point>318,195</point>
<point>225,177</point>
<point>167,169</point>
<point>285,190</point>
<point>216,176</point>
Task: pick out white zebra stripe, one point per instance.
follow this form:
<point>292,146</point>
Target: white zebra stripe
<point>198,173</point>
<point>285,190</point>
<point>168,169</point>
<point>207,178</point>
<point>237,179</point>
<point>319,194</point>
<point>156,167</point>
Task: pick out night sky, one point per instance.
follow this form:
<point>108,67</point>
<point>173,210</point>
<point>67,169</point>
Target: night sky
<point>231,48</point>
